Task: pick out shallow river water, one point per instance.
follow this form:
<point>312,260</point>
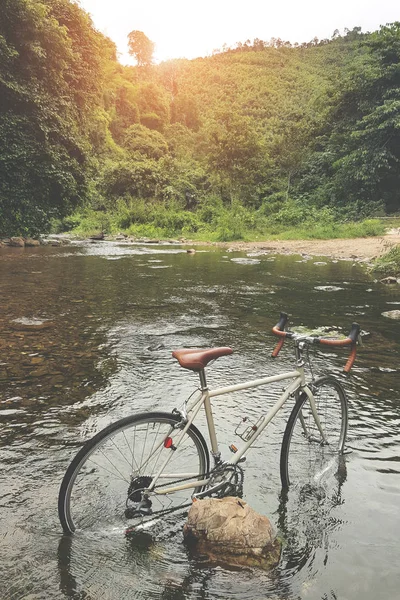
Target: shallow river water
<point>86,334</point>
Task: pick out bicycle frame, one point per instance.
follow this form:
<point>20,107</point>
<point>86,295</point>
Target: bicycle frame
<point>203,399</point>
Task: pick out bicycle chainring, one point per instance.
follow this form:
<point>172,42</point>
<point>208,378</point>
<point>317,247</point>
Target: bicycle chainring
<point>226,481</point>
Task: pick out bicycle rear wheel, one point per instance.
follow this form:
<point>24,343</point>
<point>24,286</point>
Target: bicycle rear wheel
<point>104,482</point>
<point>306,459</point>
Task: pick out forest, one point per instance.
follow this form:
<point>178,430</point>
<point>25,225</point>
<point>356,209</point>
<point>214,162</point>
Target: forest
<point>256,140</point>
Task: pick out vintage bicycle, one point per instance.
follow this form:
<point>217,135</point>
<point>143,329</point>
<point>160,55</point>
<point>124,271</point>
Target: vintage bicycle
<point>146,467</point>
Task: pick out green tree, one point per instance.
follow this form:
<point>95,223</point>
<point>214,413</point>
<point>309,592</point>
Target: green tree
<point>144,141</point>
<point>152,100</point>
<point>359,159</point>
<point>50,82</point>
<point>236,154</point>
<point>141,48</point>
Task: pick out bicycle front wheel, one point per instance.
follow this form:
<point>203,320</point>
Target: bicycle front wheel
<point>106,479</point>
<point>307,456</point>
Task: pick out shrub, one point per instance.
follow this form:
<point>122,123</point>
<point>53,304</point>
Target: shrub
<point>389,263</point>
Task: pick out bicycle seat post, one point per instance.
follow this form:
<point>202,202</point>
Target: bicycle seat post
<point>203,381</point>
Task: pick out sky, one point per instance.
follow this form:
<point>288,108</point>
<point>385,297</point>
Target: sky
<point>188,29</point>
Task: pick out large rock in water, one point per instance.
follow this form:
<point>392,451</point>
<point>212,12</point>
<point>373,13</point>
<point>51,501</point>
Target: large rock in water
<point>229,531</point>
<point>18,242</point>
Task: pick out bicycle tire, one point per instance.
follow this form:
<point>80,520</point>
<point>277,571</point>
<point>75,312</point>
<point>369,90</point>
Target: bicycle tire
<point>305,458</point>
<point>95,489</point>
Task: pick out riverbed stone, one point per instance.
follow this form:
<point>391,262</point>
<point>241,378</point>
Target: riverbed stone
<point>389,280</point>
<point>17,242</point>
<point>31,324</point>
<point>30,242</point>
<point>392,314</point>
<point>97,236</point>
<point>229,531</point>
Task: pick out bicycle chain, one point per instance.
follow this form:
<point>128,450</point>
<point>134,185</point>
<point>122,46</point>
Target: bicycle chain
<point>219,493</point>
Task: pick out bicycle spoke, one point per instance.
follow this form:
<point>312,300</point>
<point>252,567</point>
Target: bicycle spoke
<point>307,458</point>
<point>102,488</point>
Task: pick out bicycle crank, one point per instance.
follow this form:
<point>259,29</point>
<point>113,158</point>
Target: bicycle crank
<point>226,480</point>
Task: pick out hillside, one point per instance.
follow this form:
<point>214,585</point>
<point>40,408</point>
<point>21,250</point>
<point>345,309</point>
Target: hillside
<point>261,137</point>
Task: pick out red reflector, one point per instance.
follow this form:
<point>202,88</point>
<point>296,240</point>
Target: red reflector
<point>168,442</point>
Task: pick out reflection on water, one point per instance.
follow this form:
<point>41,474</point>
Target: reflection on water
<point>85,338</point>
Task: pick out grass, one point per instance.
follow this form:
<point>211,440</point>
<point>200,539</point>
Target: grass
<point>160,221</point>
<point>389,263</point>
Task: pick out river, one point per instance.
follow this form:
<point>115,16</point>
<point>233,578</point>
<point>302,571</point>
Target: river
<point>86,334</point>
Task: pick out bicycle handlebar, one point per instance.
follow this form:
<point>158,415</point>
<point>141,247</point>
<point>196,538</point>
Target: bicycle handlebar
<point>351,339</point>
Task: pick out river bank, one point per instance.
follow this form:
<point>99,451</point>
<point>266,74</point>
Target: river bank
<point>362,249</point>
<point>365,249</point>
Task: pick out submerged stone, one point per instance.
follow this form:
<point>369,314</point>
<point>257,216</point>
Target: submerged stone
<point>31,324</point>
<point>392,314</point>
<point>246,261</point>
<point>328,288</point>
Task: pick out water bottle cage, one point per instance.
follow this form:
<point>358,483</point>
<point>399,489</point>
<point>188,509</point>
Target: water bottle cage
<point>245,430</point>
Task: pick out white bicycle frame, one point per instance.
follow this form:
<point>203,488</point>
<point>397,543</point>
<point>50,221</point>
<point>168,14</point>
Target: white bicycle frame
<point>203,399</point>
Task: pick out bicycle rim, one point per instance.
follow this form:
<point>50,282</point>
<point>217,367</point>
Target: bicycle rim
<point>306,458</point>
<point>107,475</point>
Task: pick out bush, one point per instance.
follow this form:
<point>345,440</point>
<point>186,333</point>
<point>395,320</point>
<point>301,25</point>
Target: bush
<point>130,211</point>
<point>147,142</point>
<point>232,223</point>
<point>88,221</point>
<point>175,222</point>
<point>389,263</point>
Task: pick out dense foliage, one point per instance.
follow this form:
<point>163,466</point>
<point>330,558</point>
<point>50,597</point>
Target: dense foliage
<point>260,137</point>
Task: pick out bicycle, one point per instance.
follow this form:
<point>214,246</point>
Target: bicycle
<point>150,465</point>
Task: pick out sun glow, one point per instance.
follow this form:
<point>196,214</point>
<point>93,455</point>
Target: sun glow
<point>186,30</point>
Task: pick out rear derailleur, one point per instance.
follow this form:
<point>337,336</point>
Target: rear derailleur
<point>138,503</point>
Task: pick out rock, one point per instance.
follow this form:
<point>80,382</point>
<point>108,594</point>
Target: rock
<point>18,242</point>
<point>30,242</point>
<point>191,251</point>
<point>246,261</point>
<point>156,347</point>
<point>389,280</point>
<point>97,236</point>
<point>229,531</point>
<point>31,324</point>
<point>392,314</point>
<point>328,288</point>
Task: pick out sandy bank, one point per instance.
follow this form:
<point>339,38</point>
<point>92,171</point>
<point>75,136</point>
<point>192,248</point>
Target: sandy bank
<point>358,248</point>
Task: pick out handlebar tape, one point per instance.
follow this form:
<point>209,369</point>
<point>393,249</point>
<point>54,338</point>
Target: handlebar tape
<point>351,339</point>
<point>277,348</point>
<point>351,359</point>
<point>279,329</point>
